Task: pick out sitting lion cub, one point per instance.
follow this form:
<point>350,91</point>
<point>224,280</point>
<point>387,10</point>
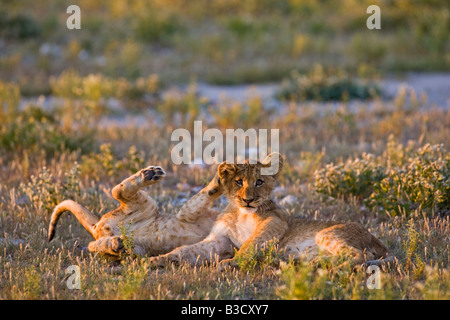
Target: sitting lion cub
<point>252,219</point>
<point>154,233</point>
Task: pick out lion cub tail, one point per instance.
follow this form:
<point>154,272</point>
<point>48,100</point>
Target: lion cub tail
<point>84,216</point>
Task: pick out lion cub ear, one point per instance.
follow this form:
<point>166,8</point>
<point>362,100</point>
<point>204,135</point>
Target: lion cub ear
<point>272,165</point>
<point>225,170</point>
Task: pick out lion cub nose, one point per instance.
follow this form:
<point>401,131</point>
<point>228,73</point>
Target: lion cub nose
<point>248,201</point>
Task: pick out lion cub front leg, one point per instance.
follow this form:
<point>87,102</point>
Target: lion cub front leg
<point>214,248</point>
<point>193,208</point>
<point>128,190</point>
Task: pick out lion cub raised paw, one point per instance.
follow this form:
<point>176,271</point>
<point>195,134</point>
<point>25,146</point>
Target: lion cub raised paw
<point>152,175</point>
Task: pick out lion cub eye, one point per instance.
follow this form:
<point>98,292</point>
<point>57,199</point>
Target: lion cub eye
<point>239,182</point>
<point>259,182</point>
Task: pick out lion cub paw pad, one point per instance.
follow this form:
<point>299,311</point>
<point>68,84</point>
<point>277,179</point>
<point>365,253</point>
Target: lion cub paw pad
<point>153,173</point>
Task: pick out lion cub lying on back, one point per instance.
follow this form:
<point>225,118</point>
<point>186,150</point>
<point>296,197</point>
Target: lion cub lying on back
<point>252,218</point>
<point>154,232</point>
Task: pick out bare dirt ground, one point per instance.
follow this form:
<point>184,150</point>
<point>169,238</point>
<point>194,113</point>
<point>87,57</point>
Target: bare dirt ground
<point>435,85</point>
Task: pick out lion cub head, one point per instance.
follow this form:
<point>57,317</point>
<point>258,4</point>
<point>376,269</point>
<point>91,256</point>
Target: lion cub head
<point>250,185</point>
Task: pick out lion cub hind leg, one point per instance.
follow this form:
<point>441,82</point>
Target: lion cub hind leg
<point>114,246</point>
<point>352,240</point>
<point>107,245</point>
<point>152,175</point>
<point>127,190</point>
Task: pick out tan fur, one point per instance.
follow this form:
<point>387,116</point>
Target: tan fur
<point>252,219</point>
<point>154,233</point>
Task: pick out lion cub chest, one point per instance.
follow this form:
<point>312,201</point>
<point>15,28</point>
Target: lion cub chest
<point>244,226</point>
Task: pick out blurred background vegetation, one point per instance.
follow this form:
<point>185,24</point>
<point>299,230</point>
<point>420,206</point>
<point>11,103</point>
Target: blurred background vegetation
<point>221,41</point>
<point>80,110</point>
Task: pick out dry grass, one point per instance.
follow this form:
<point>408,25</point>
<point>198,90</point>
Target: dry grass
<point>311,136</point>
<point>110,118</point>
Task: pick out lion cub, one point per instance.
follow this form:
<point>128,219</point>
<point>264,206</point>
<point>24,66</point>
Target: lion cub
<point>252,219</point>
<point>154,232</point>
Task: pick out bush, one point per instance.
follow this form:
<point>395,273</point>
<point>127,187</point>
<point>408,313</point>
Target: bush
<point>95,89</point>
<point>71,85</point>
<point>423,180</point>
<point>240,27</point>
<point>325,85</point>
<point>239,115</point>
<point>354,178</point>
<point>18,27</point>
<point>37,130</point>
<point>9,99</point>
<point>157,28</point>
<point>44,192</point>
<point>367,48</point>
<point>182,108</point>
<point>397,182</point>
<point>105,163</point>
